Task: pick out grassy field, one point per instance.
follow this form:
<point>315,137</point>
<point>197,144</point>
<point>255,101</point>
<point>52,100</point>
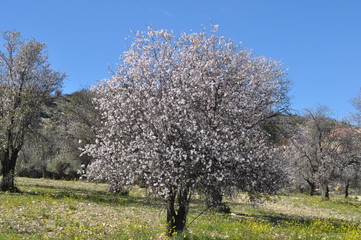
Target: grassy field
<point>49,209</point>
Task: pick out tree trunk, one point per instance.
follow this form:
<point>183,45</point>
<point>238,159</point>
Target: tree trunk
<point>325,191</point>
<point>301,189</point>
<point>8,163</point>
<point>312,187</point>
<point>347,186</point>
<point>117,188</point>
<point>214,201</point>
<point>176,220</point>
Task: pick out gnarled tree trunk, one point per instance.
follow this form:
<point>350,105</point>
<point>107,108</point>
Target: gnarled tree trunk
<point>214,200</point>
<point>8,162</point>
<point>177,219</point>
<point>312,187</point>
<point>117,188</point>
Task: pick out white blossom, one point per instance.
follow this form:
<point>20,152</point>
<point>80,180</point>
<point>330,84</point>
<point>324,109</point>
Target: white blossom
<point>182,112</point>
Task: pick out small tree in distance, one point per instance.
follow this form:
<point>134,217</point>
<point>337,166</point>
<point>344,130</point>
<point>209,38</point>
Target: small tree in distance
<point>182,113</point>
<point>356,102</point>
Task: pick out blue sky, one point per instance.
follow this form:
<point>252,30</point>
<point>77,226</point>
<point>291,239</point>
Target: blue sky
<point>319,41</point>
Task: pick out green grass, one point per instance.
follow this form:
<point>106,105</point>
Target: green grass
<point>49,209</point>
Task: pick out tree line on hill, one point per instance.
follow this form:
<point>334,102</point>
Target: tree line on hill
<point>194,113</point>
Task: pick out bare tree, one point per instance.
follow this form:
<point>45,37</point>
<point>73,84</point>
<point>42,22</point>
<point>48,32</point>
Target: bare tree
<point>183,112</point>
<point>26,81</point>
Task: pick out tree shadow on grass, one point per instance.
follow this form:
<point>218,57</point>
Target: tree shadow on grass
<point>348,202</point>
<point>92,196</point>
<point>282,219</point>
<point>277,219</point>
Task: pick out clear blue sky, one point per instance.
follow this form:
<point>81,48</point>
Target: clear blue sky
<point>319,41</point>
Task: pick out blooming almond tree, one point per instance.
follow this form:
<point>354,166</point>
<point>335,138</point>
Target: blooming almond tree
<point>184,112</point>
<point>26,82</point>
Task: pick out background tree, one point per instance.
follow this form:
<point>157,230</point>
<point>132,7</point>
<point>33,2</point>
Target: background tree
<point>356,102</point>
<point>348,140</point>
<point>350,176</point>
<point>66,124</point>
<point>352,173</point>
<point>299,171</point>
<point>79,118</point>
<point>181,112</point>
<point>26,81</point>
<point>42,143</point>
<point>322,148</point>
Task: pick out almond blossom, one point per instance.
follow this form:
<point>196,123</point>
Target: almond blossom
<point>184,113</point>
